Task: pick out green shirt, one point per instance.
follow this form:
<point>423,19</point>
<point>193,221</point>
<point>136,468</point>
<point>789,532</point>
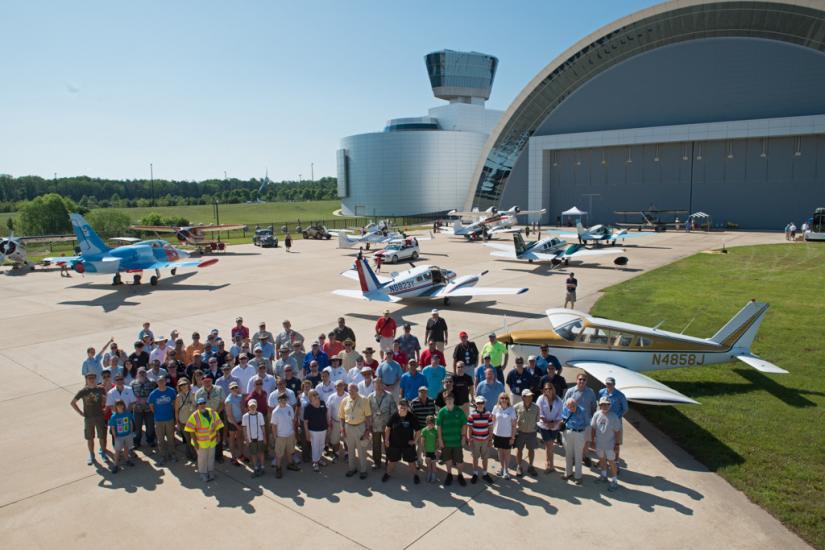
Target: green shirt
<point>451,423</point>
<point>430,436</point>
<point>495,351</point>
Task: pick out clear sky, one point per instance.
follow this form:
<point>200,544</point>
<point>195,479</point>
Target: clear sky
<point>103,88</point>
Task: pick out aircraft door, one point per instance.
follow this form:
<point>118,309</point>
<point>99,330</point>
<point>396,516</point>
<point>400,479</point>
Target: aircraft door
<point>438,277</point>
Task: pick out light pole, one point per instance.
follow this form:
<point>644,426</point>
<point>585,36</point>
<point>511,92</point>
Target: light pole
<point>312,171</point>
<point>152,180</point>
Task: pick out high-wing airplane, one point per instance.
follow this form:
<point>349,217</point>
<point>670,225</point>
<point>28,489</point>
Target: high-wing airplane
<point>373,234</point>
<point>97,258</point>
<point>551,249</point>
<point>599,234</point>
<point>486,223</point>
<point>604,348</point>
<point>651,219</point>
<point>13,249</point>
<point>193,235</point>
<point>423,282</point>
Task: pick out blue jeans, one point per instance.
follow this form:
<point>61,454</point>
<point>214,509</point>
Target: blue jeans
<point>144,418</point>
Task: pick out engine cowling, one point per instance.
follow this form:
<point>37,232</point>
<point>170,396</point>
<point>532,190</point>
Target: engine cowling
<point>80,267</point>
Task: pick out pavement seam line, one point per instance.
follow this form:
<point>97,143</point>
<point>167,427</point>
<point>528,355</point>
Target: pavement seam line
<point>21,365</point>
<point>44,491</point>
<point>445,518</point>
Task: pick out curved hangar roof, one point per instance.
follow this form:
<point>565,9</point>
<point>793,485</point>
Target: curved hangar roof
<point>800,22</point>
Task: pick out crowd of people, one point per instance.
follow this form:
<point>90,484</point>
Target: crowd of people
<point>252,397</point>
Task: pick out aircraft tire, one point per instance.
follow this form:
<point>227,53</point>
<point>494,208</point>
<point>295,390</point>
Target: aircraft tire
<point>116,280</point>
<point>415,255</point>
<point>394,260</point>
<point>174,270</point>
<point>154,280</point>
<point>530,261</point>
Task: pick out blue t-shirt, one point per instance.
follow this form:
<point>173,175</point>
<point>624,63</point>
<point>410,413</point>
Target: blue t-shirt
<point>234,401</point>
<point>122,423</point>
<point>164,403</point>
<point>435,377</point>
<point>389,372</point>
<point>490,393</point>
<point>410,385</point>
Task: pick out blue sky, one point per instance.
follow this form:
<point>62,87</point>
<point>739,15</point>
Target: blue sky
<point>199,88</point>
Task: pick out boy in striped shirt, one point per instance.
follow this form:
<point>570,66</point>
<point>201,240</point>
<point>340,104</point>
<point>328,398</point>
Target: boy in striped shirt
<point>479,437</point>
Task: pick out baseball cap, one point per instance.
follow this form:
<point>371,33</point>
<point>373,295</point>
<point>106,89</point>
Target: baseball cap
<point>366,369</point>
<point>201,400</point>
<point>492,334</point>
<point>462,334</point>
<point>233,385</point>
<point>604,401</point>
<point>91,375</point>
<point>407,325</point>
<point>386,311</point>
<point>238,319</point>
<point>525,392</point>
<point>434,311</point>
<point>610,380</point>
<point>480,399</point>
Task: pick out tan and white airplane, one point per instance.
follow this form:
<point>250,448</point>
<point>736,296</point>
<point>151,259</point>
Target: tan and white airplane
<point>604,348</point>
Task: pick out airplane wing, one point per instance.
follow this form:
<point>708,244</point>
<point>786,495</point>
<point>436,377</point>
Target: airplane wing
<point>501,247</point>
<point>760,364</point>
<point>156,228</point>
<point>507,230</point>
<point>220,227</point>
<point>60,260</point>
<point>352,274</point>
<point>128,240</point>
<point>453,291</point>
<point>370,296</point>
<point>184,263</point>
<point>636,386</point>
<point>584,252</point>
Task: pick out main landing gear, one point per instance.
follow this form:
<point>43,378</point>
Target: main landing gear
<point>154,279</point>
<point>116,280</point>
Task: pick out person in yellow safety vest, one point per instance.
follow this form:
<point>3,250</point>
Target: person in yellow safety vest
<point>205,425</point>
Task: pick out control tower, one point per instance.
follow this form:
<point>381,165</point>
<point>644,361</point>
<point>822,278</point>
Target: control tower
<point>461,77</point>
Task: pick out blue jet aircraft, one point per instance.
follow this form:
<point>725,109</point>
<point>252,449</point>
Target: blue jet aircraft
<point>97,258</point>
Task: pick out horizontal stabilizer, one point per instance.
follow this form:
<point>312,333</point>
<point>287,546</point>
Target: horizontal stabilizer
<point>371,296</point>
<point>476,291</point>
<point>760,364</point>
<point>352,274</point>
<point>636,386</point>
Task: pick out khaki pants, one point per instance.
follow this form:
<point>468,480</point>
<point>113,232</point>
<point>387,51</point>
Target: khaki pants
<point>439,346</point>
<point>165,433</point>
<point>573,450</point>
<point>206,460</point>
<point>356,444</point>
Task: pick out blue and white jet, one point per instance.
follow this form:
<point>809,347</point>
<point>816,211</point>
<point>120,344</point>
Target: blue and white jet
<point>551,249</point>
<point>98,259</point>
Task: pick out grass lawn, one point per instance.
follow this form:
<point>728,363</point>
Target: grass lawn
<point>765,434</point>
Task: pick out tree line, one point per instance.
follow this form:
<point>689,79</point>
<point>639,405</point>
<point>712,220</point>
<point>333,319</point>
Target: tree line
<point>89,193</point>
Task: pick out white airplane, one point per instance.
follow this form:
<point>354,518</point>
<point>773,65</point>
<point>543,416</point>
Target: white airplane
<point>551,249</point>
<point>13,249</point>
<point>605,348</point>
<point>373,233</point>
<point>599,234</point>
<point>487,223</point>
<point>425,282</point>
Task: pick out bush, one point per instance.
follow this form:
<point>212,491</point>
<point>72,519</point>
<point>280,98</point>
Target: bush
<point>47,215</point>
<point>109,223</point>
<point>153,218</point>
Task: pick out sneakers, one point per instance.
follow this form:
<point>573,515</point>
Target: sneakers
<point>416,479</point>
<point>461,480</point>
<point>449,480</point>
<point>274,463</point>
<point>506,475</point>
<point>315,467</point>
<point>386,477</point>
<point>486,477</point>
<point>293,467</point>
<point>578,481</point>
<point>501,472</point>
<point>614,485</point>
<point>588,462</point>
<point>351,473</point>
<point>114,469</point>
<point>90,460</point>
<point>362,475</point>
<point>279,472</point>
<point>519,472</point>
<point>474,479</point>
<point>130,462</point>
<point>567,477</point>
<point>532,471</point>
<point>101,452</point>
<point>602,479</point>
<point>210,477</point>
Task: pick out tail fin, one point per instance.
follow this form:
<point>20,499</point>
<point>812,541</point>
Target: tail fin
<point>89,241</point>
<point>457,226</point>
<point>740,331</point>
<point>366,277</point>
<point>343,241</point>
<point>519,242</point>
<point>579,227</point>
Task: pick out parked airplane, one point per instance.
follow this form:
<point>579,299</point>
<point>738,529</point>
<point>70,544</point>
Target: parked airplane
<point>605,348</point>
<point>97,258</point>
<point>13,248</point>
<point>598,234</point>
<point>488,223</point>
<point>193,235</point>
<point>425,282</point>
<point>651,219</point>
<point>551,249</point>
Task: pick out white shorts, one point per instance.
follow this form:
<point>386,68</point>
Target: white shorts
<point>609,454</point>
<point>386,344</point>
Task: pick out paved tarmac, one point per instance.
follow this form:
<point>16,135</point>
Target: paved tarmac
<point>49,498</point>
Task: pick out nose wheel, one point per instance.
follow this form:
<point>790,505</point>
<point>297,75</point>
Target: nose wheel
<point>154,280</point>
<point>116,280</point>
<point>174,271</point>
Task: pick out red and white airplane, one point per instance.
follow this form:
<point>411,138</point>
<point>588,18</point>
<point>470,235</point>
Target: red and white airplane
<point>486,223</point>
<point>193,235</point>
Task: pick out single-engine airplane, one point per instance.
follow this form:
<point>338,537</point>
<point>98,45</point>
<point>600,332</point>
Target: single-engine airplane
<point>599,234</point>
<point>551,249</point>
<point>487,223</point>
<point>604,348</point>
<point>423,282</point>
<point>97,258</point>
<point>193,235</point>
<point>651,219</point>
<point>13,249</point>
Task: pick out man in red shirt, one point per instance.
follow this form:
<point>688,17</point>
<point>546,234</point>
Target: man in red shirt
<point>427,355</point>
<point>240,329</point>
<point>369,361</point>
<point>399,356</point>
<point>332,347</point>
<point>385,329</point>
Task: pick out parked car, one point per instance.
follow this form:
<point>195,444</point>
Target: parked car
<point>395,252</point>
<point>265,238</point>
<point>316,232</point>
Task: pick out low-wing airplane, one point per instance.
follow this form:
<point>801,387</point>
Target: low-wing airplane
<point>604,348</point>
<point>193,235</point>
<point>423,282</point>
<point>13,249</point>
<point>651,219</point>
<point>598,234</point>
<point>97,258</point>
<point>487,223</point>
<point>551,249</point>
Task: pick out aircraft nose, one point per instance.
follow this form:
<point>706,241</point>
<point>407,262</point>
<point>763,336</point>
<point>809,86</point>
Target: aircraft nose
<point>183,253</point>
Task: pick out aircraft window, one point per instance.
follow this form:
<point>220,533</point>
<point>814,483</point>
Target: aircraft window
<point>427,276</point>
<point>570,331</point>
<point>622,340</point>
<point>592,335</point>
<point>643,342</point>
<point>419,278</point>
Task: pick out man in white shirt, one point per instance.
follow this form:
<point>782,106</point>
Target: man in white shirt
<point>334,431</point>
<point>325,388</point>
<point>336,371</point>
<point>281,389</point>
<point>120,391</point>
<point>283,433</point>
<point>243,371</point>
<point>367,385</point>
<point>284,359</point>
<point>159,353</point>
<point>267,379</point>
<point>254,427</point>
<point>354,375</point>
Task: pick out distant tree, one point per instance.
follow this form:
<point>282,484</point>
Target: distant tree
<point>10,225</point>
<point>153,218</point>
<point>47,214</point>
<point>109,223</point>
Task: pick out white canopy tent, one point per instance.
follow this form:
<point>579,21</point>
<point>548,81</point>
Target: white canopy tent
<point>573,213</point>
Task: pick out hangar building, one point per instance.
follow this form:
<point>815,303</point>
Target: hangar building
<point>703,105</point>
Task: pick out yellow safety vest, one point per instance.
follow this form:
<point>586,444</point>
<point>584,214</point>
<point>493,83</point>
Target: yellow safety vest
<point>204,430</point>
